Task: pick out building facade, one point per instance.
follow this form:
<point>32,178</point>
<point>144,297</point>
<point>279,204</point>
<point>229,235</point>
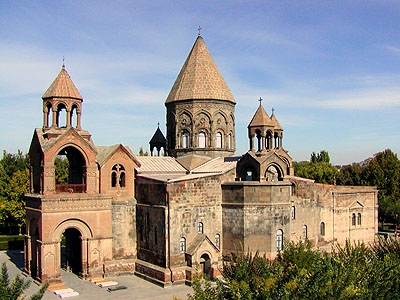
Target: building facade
<point>166,218</point>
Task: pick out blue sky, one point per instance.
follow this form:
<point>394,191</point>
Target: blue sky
<point>330,69</point>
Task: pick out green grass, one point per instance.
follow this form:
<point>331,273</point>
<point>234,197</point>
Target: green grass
<point>11,242</point>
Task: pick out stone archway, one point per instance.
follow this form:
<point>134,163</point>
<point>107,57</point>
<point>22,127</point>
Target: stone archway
<point>71,250</point>
<point>205,262</point>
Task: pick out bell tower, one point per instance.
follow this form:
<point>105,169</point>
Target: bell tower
<point>70,211</point>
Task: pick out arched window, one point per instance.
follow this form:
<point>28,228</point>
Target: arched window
<point>353,219</point>
<point>218,141</point>
<point>118,176</point>
<point>182,245</point>
<point>200,227</point>
<point>230,141</point>
<point>322,229</point>
<point>218,240</point>
<point>304,232</point>
<point>202,140</point>
<point>359,219</point>
<point>279,240</point>
<point>185,139</point>
<point>293,213</point>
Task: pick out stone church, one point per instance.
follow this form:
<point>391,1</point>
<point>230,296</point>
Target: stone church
<point>187,207</point>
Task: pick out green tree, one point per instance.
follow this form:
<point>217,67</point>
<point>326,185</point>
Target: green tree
<point>351,175</point>
<point>383,171</point>
<point>142,152</point>
<point>14,183</point>
<point>61,164</point>
<point>318,168</point>
<point>14,290</point>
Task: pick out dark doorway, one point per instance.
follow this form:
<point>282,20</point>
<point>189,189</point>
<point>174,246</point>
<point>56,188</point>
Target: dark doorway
<point>71,251</point>
<point>205,262</point>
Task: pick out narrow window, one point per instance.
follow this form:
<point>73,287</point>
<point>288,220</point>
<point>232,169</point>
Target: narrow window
<point>182,245</point>
<point>279,240</point>
<point>218,140</point>
<point>122,179</point>
<point>293,213</point>
<point>359,219</point>
<point>218,241</point>
<point>322,229</point>
<point>185,139</point>
<point>353,219</point>
<point>304,232</point>
<point>200,228</point>
<point>113,179</point>
<point>202,140</point>
<point>229,141</point>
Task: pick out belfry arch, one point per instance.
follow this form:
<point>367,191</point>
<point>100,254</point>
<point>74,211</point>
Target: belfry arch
<point>76,181</point>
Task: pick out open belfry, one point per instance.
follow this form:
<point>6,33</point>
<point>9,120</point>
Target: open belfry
<point>186,208</point>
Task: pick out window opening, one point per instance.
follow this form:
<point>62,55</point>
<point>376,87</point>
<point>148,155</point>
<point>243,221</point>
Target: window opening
<point>182,245</point>
<point>200,227</point>
<point>279,240</point>
<point>202,140</point>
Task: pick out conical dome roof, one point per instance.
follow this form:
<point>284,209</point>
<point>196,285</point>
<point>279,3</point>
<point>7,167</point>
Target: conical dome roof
<point>158,138</point>
<point>260,118</point>
<point>199,78</point>
<point>275,122</point>
<point>62,87</point>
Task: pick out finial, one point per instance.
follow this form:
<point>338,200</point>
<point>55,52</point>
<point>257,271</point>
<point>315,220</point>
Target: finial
<point>199,30</point>
<point>158,124</point>
<point>260,100</point>
<point>63,65</point>
<point>273,109</point>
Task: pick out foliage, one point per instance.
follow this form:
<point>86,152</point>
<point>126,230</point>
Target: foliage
<point>382,171</point>
<point>14,290</point>
<point>351,175</point>
<point>142,152</point>
<point>351,271</point>
<point>318,168</point>
<point>14,183</point>
<point>61,164</point>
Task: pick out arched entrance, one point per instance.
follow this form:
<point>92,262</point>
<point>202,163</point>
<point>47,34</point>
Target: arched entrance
<point>205,263</point>
<point>71,250</point>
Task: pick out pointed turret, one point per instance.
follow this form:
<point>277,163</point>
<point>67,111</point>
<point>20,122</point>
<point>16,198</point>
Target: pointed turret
<point>158,141</point>
<point>266,129</point>
<point>62,95</point>
<point>62,87</point>
<point>200,108</point>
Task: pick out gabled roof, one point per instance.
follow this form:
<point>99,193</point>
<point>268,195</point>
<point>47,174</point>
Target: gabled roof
<point>62,87</point>
<point>260,118</point>
<point>105,152</point>
<point>198,242</point>
<point>46,144</point>
<point>199,78</point>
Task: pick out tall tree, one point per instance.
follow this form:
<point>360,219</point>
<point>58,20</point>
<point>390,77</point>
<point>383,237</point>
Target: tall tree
<point>318,168</point>
<point>383,171</point>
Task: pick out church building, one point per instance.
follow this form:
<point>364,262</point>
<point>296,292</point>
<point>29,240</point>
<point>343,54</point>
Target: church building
<point>186,208</point>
